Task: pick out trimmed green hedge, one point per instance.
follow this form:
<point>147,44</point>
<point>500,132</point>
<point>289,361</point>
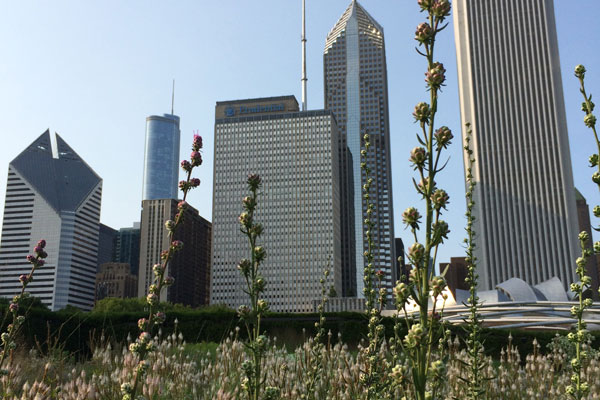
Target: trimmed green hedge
<point>76,331</point>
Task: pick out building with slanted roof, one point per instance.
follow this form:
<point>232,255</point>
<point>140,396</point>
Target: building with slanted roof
<point>51,194</point>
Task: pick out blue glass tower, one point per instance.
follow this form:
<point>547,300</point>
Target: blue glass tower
<point>161,157</point>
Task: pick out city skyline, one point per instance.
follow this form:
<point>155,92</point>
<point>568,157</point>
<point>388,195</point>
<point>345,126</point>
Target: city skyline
<point>109,80</point>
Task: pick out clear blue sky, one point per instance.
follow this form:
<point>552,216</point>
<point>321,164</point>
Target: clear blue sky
<point>93,71</point>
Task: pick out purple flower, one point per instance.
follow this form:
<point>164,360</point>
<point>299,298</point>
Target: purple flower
<point>31,258</point>
<point>38,249</point>
<point>186,165</point>
<point>183,185</point>
<point>41,263</point>
<point>196,158</point>
<point>182,205</point>
<point>42,243</point>
<point>195,182</point>
<point>14,307</point>
<point>197,143</point>
<point>177,245</point>
<point>23,278</point>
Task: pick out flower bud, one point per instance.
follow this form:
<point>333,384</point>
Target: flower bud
<point>436,75</point>
<point>418,156</point>
<point>411,217</point>
<point>422,112</point>
<point>424,33</point>
<point>253,181</point>
<point>589,120</point>
<point>197,143</point>
<point>439,198</point>
<point>593,160</point>
<point>416,252</point>
<point>196,158</point>
<point>586,109</point>
<point>186,165</point>
<point>443,136</point>
<point>596,177</point>
<point>170,224</point>
<point>440,9</point>
<point>580,71</point>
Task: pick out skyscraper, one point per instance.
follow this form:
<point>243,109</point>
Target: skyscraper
<point>356,91</point>
<point>296,154</point>
<point>511,93</point>
<point>161,157</point>
<point>127,247</point>
<point>51,194</point>
<point>190,266</point>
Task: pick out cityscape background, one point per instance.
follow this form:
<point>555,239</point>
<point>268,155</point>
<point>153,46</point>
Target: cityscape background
<point>94,72</point>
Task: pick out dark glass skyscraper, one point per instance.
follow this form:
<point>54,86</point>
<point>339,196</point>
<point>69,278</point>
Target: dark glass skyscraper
<point>161,157</point>
<point>356,91</point>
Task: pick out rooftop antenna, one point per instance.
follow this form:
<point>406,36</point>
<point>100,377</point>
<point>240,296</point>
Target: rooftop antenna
<point>173,98</point>
<point>304,79</point>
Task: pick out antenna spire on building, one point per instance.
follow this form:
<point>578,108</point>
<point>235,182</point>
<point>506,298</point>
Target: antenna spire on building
<point>304,79</point>
<point>173,97</point>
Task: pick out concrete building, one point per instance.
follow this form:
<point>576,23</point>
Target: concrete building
<point>115,280</point>
<point>511,92</point>
<point>296,153</point>
<point>161,157</point>
<point>456,274</point>
<point>356,91</point>
<point>190,266</point>
<point>51,194</point>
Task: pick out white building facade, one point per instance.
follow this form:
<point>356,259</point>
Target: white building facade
<point>511,93</point>
<point>51,194</point>
<point>296,155</point>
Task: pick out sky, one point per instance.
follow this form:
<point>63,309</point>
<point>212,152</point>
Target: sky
<point>93,72</point>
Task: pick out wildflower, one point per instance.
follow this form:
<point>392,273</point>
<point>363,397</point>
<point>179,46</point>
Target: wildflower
<point>436,75</point>
<point>597,247</point>
<point>584,236</point>
<point>423,186</point>
<point>437,284</point>
<point>580,71</point>
<point>142,324</point>
<point>244,266</point>
<point>157,269</point>
<point>401,292</point>
<point>196,158</point>
<point>414,336</point>
<point>14,307</point>
<point>439,198</point>
<point>182,205</point>
<point>168,281</point>
<point>443,136</point>
<point>145,337</point>
<point>197,143</point>
<point>194,182</point>
<point>244,219</point>
<point>259,253</point>
<point>590,121</point>
<point>177,245</point>
<point>170,225</point>
<point>585,109</point>
<point>411,217</point>
<point>248,203</point>
<point>593,160</point>
<point>24,279</point>
<point>159,318</point>
<point>416,252</point>
<point>440,231</point>
<point>424,33</point>
<point>418,156</point>
<point>440,8</point>
<point>186,165</point>
<point>31,258</point>
<point>422,112</point>
<point>253,181</point>
<point>152,299</point>
<point>425,4</point>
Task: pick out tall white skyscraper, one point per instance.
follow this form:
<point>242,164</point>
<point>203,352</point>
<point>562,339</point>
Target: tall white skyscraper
<point>511,92</point>
<point>51,194</point>
<point>296,155</point>
<point>356,91</point>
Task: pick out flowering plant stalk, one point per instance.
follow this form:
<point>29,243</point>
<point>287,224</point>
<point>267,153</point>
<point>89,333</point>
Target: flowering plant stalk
<point>579,388</point>
<point>475,364</point>
<point>8,337</point>
<point>143,345</point>
<point>423,284</point>
<point>373,376</point>
<point>316,346</point>
<point>254,380</point>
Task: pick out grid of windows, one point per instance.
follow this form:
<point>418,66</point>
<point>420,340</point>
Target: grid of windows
<point>296,155</point>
